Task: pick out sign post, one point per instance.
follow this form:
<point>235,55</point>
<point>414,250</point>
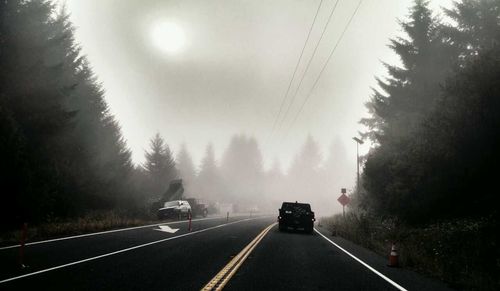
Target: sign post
<point>344,200</point>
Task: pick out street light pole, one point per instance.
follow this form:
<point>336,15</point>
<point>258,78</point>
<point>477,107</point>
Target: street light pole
<point>358,142</point>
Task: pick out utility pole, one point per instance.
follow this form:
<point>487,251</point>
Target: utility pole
<point>358,142</point>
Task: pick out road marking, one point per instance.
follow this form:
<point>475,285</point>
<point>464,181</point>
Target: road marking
<point>220,280</point>
<point>123,250</point>
<point>105,232</point>
<point>166,228</point>
<point>363,263</point>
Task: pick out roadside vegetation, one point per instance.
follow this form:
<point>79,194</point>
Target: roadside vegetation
<point>462,253</point>
<point>429,181</point>
<point>91,222</point>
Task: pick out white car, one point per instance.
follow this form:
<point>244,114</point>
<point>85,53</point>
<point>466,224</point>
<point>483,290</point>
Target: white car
<point>174,209</point>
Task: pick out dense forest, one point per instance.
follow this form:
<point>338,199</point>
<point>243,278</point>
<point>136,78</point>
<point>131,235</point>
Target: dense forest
<point>428,182</point>
<point>435,119</point>
<point>63,150</point>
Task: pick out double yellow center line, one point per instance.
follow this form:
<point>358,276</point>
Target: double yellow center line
<point>220,280</point>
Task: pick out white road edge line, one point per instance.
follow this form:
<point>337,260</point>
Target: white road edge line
<point>362,263</point>
<point>122,251</point>
<point>104,232</point>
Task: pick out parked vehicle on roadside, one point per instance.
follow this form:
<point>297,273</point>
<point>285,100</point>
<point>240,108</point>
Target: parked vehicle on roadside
<point>296,216</point>
<point>175,209</point>
<point>198,207</point>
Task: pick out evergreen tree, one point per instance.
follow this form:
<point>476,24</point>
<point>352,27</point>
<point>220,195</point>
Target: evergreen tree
<point>338,169</point>
<point>159,166</point>
<point>304,173</point>
<point>241,168</point>
<point>407,97</point>
<point>34,90</point>
<point>431,171</point>
<point>14,170</point>
<point>209,184</point>
<point>454,152</point>
<point>66,152</point>
<point>274,181</point>
<point>186,169</point>
<point>337,166</point>
<point>476,28</point>
<point>308,160</point>
<point>105,154</point>
<point>410,91</point>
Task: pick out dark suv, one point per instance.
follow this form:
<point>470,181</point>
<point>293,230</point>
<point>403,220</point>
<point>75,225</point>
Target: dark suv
<point>296,216</point>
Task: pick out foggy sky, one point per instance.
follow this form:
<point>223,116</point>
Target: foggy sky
<point>234,69</point>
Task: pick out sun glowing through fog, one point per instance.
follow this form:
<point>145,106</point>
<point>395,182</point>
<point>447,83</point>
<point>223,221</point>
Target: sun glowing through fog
<point>168,37</point>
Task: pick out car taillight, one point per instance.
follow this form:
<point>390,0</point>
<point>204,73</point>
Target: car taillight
<point>279,217</point>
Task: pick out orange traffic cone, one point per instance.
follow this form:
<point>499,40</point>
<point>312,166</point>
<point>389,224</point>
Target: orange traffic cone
<point>393,257</point>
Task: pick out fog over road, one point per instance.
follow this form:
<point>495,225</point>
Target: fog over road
<point>147,259</point>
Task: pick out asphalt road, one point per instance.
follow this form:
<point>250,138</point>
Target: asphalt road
<point>148,259</point>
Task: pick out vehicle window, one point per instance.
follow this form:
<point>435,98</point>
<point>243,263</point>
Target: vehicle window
<point>171,203</point>
<point>296,207</point>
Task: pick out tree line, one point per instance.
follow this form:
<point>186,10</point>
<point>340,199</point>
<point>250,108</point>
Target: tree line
<point>63,152</point>
<point>239,177</point>
<point>434,119</point>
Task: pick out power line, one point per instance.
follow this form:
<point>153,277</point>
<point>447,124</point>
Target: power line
<point>296,68</point>
<point>308,64</point>
<point>324,67</point>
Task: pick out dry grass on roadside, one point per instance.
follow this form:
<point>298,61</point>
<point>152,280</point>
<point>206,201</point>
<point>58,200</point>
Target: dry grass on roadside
<point>92,222</point>
<point>463,253</point>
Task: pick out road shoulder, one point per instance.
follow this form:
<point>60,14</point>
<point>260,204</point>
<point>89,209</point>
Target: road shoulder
<point>405,277</point>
